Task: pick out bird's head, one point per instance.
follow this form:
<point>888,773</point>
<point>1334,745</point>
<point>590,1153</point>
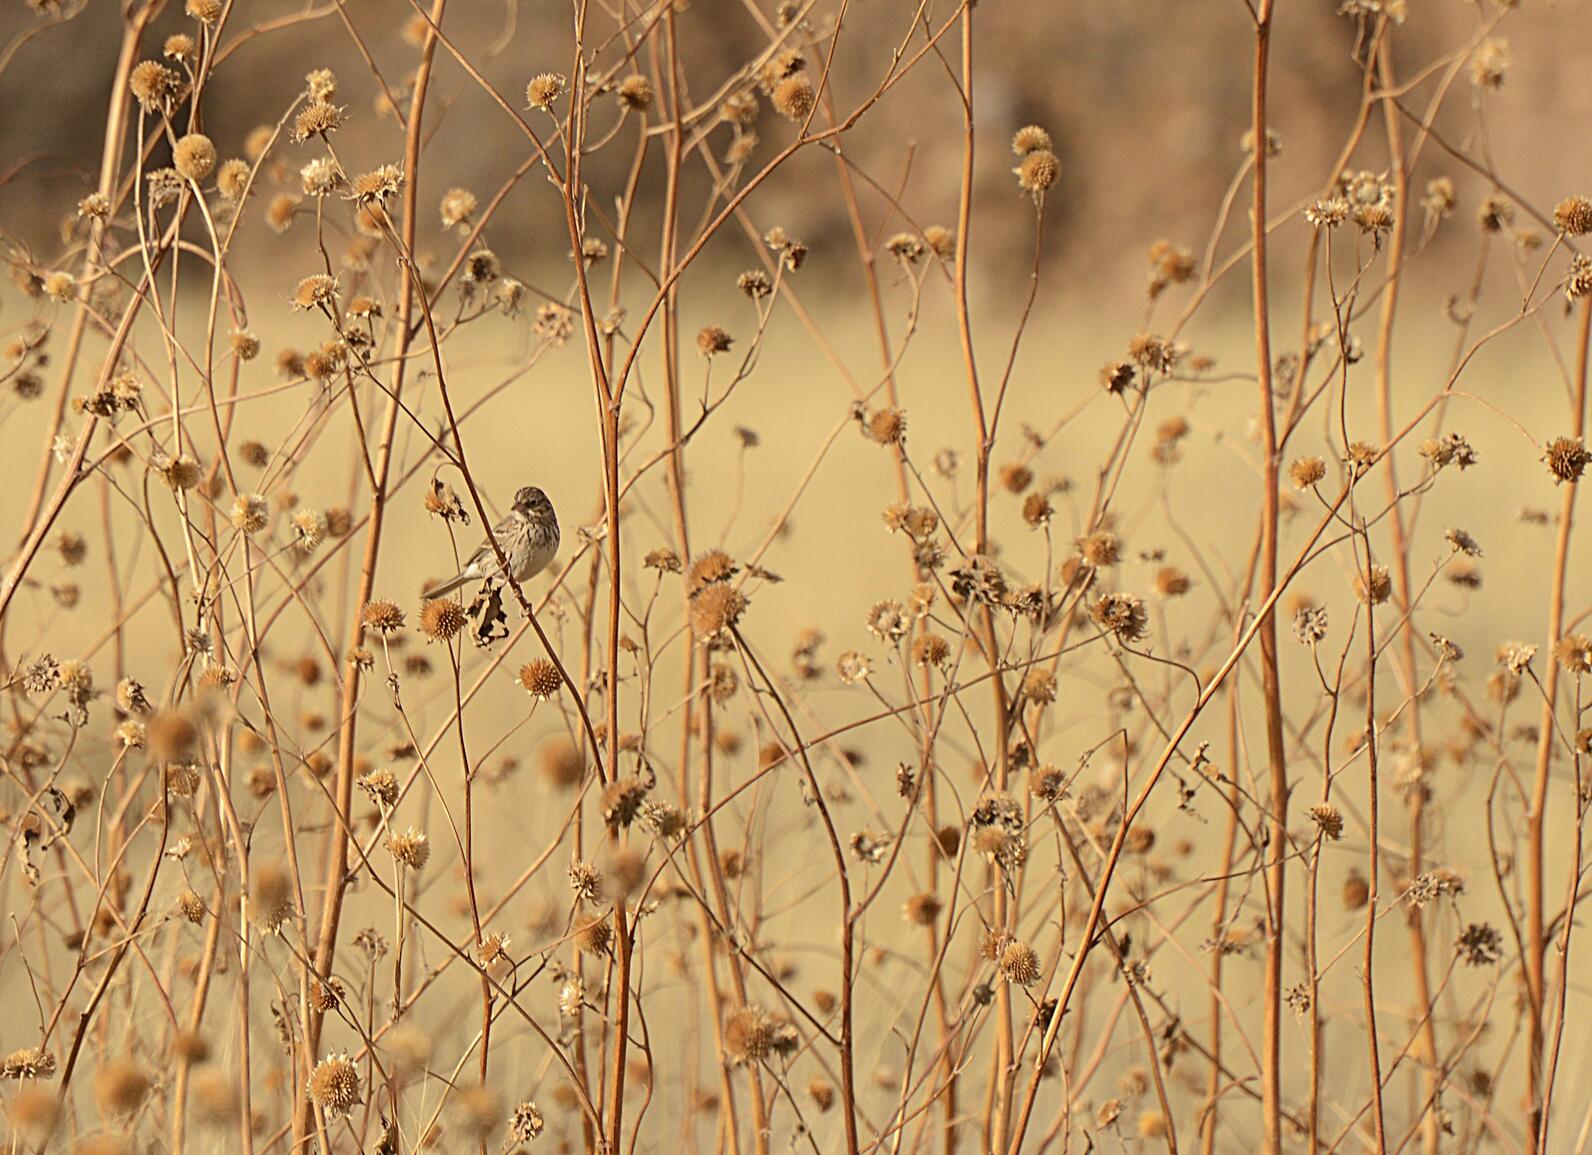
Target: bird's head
<point>530,499</point>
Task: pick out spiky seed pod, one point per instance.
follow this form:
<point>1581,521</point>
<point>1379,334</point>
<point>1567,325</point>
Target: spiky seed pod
<point>382,616</point>
<point>1030,139</point>
<point>749,1035</point>
<point>411,848</point>
<point>194,157</point>
<point>622,800</point>
<point>635,92</point>
<point>334,1085</point>
<point>794,97</point>
<point>270,896</point>
<point>543,89</point>
<point>1566,458</point>
<point>595,937</point>
<point>922,909</point>
<point>120,1086</point>
<point>442,618</point>
<point>540,679</point>
<point>1038,172</point>
<point>1573,216</point>
<point>1019,964</point>
<point>715,610</point>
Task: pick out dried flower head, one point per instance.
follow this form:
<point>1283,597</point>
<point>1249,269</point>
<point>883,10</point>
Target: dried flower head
<point>442,618</point>
<point>410,848</point>
<point>594,937</point>
<point>194,157</point>
<point>1121,614</point>
<point>885,426</point>
<point>715,610</point>
<point>544,88</point>
<point>1489,64</point>
<point>634,92</point>
<point>713,340</point>
<point>382,616</point>
<point>1030,139</point>
<point>1567,458</point>
<point>793,97</point>
<point>270,896</point>
<point>1307,471</point>
<point>1038,172</point>
<point>250,513</point>
<point>1573,216</point>
<point>154,86</point>
<point>1574,653</point>
<point>1019,964</point>
<point>334,1085</point>
<point>1328,819</point>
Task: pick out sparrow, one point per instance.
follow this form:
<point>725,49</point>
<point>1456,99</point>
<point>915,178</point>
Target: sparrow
<point>528,536</point>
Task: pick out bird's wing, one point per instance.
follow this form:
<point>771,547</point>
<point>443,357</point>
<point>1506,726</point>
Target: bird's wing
<point>484,559</point>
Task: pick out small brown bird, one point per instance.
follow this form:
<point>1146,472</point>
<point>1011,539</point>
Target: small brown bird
<point>528,536</point>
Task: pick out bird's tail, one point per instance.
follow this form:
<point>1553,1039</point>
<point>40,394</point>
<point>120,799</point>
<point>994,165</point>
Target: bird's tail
<point>444,588</point>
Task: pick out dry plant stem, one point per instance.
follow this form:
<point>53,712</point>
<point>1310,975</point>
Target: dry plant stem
<point>110,166</point>
<point>337,856</point>
<point>997,1122</point>
<point>1426,1053</point>
<point>1373,874</point>
<point>1271,687</point>
<point>1537,931</point>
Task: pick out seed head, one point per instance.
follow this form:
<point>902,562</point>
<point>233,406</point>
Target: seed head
<point>715,610</point>
<point>540,679</point>
<point>442,618</point>
<point>318,118</point>
<point>1121,614</point>
<point>886,426</point>
<point>1495,213</point>
<point>410,848</point>
<point>1374,586</point>
<point>279,213</point>
<point>1037,173</point>
<point>793,97</point>
<point>1489,64</point>
<point>713,340</point>
<point>120,1086</point>
<point>543,89</point>
<point>382,616</point>
<point>1307,471</point>
<point>708,569</point>
<point>562,763</point>
<point>635,92</point>
<point>232,179</point>
<point>154,86</point>
<point>749,1035</point>
<point>458,206</point>
<point>1567,458</point>
<point>1574,653</point>
<point>179,46</point>
<point>250,513</point>
<point>334,1085</point>
<point>1328,819</point>
<point>28,1063</point>
<point>622,800</point>
<point>270,896</point>
<point>1030,139</point>
<point>1573,216</point>
<point>194,157</point>
<point>930,650</point>
<point>1020,964</point>
<point>594,937</point>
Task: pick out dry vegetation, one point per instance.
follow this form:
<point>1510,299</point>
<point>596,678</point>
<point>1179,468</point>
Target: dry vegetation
<point>1154,802</point>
